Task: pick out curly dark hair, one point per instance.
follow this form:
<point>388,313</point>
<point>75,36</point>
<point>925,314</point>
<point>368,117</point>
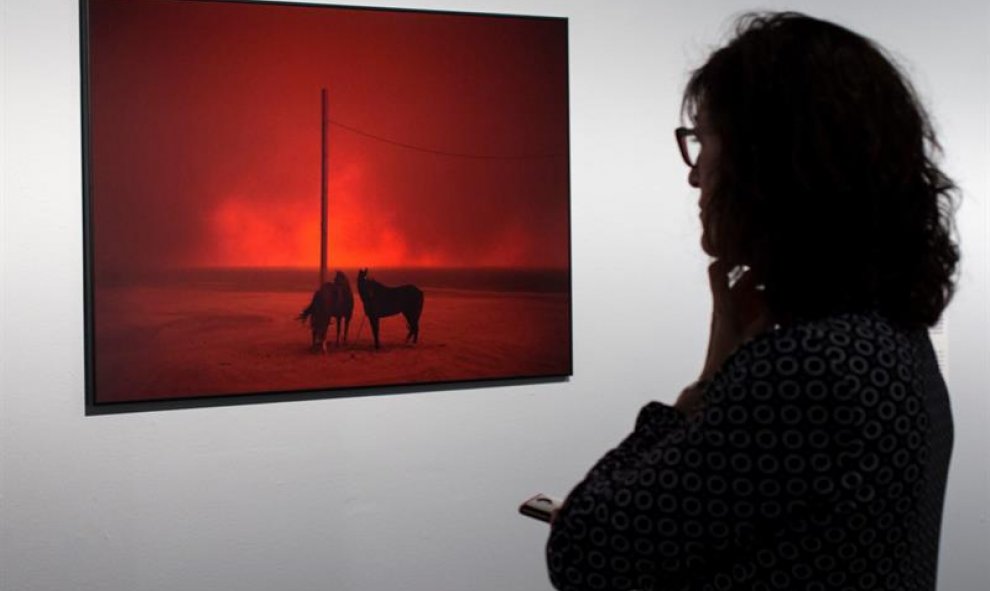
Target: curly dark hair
<point>826,184</point>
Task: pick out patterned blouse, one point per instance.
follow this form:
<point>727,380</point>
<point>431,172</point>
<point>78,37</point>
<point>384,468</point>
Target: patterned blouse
<point>818,462</point>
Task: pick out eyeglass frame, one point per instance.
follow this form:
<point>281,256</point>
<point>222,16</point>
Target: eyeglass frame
<point>680,135</point>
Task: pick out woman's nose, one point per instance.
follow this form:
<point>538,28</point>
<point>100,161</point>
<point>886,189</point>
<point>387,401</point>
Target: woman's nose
<point>693,177</point>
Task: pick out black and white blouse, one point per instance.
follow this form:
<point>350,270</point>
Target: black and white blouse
<point>818,462</point>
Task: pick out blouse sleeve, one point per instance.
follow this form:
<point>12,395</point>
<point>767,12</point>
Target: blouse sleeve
<point>678,494</point>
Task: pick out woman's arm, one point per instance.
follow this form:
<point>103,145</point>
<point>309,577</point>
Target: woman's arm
<point>657,510</point>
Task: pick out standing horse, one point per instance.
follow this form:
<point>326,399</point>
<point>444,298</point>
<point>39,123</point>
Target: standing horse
<point>380,300</point>
<point>332,300</point>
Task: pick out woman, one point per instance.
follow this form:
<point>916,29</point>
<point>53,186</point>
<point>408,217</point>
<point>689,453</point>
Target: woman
<point>813,450</point>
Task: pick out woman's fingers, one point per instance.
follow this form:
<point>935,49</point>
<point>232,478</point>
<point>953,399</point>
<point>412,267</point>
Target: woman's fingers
<point>718,276</point>
<point>746,281</point>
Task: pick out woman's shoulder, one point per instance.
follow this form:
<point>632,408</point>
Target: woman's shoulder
<point>860,332</point>
<point>827,376</point>
<point>856,345</point>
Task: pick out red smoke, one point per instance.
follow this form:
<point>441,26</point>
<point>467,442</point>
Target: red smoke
<point>205,136</point>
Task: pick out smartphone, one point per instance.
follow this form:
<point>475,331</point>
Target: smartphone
<point>540,507</point>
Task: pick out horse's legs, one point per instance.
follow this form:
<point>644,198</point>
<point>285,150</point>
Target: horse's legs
<point>413,318</point>
<point>347,327</point>
<point>373,321</point>
<point>413,324</point>
<point>337,343</point>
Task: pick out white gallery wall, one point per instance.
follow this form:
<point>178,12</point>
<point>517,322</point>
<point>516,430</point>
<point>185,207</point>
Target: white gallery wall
<point>419,491</point>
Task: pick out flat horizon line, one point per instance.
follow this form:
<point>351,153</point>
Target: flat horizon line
<point>349,267</point>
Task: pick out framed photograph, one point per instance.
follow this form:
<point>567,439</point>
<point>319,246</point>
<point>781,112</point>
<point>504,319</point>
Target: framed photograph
<point>286,201</point>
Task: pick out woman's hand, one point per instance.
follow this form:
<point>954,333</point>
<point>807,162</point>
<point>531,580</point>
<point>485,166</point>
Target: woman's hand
<point>738,314</point>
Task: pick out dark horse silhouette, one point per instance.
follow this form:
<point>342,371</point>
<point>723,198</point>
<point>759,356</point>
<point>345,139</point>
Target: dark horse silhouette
<point>380,300</point>
<point>332,300</point>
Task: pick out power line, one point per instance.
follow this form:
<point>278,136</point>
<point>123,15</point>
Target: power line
<point>440,152</point>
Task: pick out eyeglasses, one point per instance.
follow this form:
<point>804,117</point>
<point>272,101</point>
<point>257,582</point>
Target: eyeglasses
<point>689,145</point>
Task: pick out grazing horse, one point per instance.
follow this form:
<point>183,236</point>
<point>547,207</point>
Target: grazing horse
<point>380,300</point>
<point>332,300</point>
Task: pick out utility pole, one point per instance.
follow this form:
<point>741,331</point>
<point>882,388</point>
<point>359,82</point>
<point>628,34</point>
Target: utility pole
<point>323,189</point>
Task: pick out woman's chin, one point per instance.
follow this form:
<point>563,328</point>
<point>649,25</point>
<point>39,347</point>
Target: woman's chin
<point>707,246</point>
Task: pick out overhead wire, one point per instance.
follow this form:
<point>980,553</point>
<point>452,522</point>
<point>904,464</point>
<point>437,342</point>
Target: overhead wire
<point>427,150</point>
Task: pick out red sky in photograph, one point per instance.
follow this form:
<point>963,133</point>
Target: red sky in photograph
<point>205,136</point>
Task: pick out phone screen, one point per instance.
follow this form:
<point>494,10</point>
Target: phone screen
<point>540,507</point>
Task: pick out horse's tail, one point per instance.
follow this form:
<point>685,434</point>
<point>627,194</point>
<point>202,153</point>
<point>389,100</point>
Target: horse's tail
<point>420,299</point>
<point>414,314</point>
<point>414,307</point>
<point>348,303</point>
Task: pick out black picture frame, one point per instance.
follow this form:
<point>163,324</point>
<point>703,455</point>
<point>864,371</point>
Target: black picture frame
<point>186,305</point>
